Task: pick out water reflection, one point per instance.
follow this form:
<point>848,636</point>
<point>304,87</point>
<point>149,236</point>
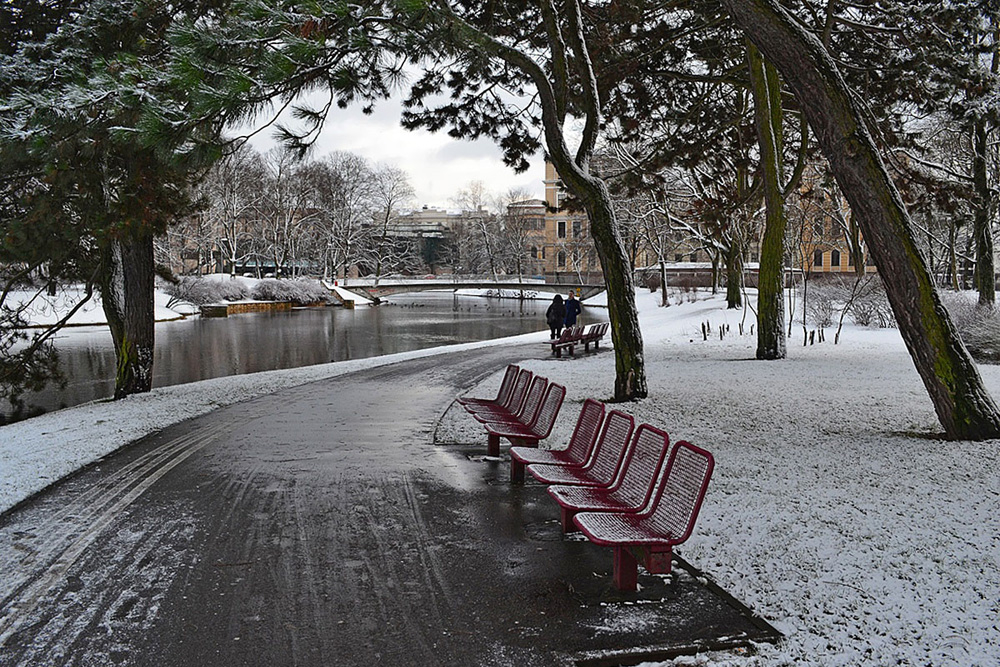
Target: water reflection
<point>198,349</point>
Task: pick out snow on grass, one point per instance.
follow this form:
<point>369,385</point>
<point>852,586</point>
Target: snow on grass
<point>45,310</point>
<point>834,511</point>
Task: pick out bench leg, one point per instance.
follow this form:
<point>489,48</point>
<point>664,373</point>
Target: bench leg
<point>516,472</point>
<point>566,515</point>
<point>492,445</point>
<point>658,561</point>
<point>626,570</point>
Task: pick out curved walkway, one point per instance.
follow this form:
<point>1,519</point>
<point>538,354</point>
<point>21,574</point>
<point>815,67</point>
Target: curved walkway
<point>322,526</point>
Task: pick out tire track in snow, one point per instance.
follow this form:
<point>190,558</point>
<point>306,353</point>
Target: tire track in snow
<point>77,526</point>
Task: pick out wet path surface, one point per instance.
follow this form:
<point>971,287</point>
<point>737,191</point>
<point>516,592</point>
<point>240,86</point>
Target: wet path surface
<point>322,526</point>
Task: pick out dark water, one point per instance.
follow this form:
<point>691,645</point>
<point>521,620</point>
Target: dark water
<point>198,349</point>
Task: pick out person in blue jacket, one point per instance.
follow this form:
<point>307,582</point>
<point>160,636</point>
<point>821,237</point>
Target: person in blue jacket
<point>572,309</point>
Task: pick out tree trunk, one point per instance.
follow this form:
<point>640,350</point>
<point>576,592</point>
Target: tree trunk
<point>951,378</point>
<point>770,299</point>
<point>982,223</point>
<point>127,294</point>
<point>663,283</point>
<point>734,275</point>
<point>630,369</point>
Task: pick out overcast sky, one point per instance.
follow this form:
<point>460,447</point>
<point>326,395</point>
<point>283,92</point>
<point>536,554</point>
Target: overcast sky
<point>438,165</point>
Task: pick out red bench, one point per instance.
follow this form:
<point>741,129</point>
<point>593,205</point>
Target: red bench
<point>506,386</point>
<point>650,535</point>
<point>594,335</point>
<point>524,412</point>
<point>513,402</point>
<point>528,434</point>
<point>581,443</point>
<point>602,466</point>
<point>569,339</point>
<point>633,487</point>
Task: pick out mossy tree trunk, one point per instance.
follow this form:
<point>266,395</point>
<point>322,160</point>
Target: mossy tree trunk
<point>951,378</point>
<point>127,280</point>
<point>765,86</point>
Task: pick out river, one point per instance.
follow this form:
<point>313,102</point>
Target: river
<point>201,348</point>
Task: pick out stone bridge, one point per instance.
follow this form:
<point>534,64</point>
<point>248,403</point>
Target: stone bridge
<point>511,288</point>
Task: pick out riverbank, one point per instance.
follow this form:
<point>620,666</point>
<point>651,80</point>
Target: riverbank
<point>834,511</point>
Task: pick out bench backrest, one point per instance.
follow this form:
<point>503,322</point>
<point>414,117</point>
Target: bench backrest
<point>507,384</point>
<point>679,496</point>
<point>545,417</point>
<point>641,468</point>
<point>566,336</point>
<point>610,448</point>
<point>588,426</point>
<point>517,394</point>
<point>532,400</point>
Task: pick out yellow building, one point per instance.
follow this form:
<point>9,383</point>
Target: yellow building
<point>563,247</point>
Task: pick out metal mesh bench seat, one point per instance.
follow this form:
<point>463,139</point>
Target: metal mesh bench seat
<point>605,460</point>
<point>632,489</point>
<point>503,393</point>
<point>538,428</point>
<point>581,443</point>
<point>650,535</point>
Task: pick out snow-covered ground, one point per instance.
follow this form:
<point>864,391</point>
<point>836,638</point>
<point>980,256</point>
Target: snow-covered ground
<point>834,511</point>
<point>45,310</point>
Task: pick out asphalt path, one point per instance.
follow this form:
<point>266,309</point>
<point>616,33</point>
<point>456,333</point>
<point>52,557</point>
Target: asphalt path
<point>321,525</point>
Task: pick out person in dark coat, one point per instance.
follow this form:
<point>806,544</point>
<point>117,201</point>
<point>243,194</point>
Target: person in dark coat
<point>555,316</point>
<point>572,310</point>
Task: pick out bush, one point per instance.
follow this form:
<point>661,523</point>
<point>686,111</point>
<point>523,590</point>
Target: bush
<point>979,327</point>
<point>821,303</point>
<point>200,291</point>
<point>300,292</point>
<point>871,306</point>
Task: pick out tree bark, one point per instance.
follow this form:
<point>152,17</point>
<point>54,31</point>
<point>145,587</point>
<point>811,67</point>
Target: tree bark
<point>982,222</point>
<point>951,378</point>
<point>770,295</point>
<point>734,274</point>
<point>126,285</point>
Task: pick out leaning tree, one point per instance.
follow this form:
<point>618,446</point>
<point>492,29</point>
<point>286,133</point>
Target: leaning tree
<point>963,405</point>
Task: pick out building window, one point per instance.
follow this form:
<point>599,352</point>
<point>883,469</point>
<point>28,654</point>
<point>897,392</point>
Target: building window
<point>678,257</point>
<point>694,256</point>
<point>561,260</point>
<point>543,252</point>
<point>577,228</point>
<point>818,259</point>
<point>561,229</point>
<point>835,258</point>
<point>534,252</point>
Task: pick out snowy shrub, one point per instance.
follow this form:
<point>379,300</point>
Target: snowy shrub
<point>200,291</point>
<point>822,302</point>
<point>979,327</point>
<point>870,307</point>
<point>297,291</point>
<point>652,281</point>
